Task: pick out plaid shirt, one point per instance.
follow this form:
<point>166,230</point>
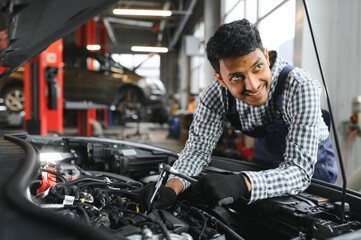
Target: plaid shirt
<point>301,115</point>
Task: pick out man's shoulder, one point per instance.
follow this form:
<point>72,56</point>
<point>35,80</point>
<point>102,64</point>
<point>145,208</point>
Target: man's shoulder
<point>213,90</point>
<point>297,75</point>
<point>301,76</point>
<point>213,96</point>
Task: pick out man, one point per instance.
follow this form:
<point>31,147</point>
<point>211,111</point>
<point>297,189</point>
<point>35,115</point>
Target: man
<point>261,95</point>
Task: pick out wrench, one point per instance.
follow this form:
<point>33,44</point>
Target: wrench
<point>162,175</point>
<point>172,170</point>
<point>165,169</point>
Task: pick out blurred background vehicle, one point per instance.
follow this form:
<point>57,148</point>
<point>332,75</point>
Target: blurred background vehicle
<point>97,78</point>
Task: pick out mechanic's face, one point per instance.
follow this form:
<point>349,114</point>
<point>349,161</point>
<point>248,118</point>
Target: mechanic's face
<point>248,78</point>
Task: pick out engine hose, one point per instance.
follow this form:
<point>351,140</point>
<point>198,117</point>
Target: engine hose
<point>160,224</point>
<point>85,214</point>
<point>73,189</point>
<point>55,173</point>
<point>164,231</point>
<point>116,184</point>
<point>223,226</point>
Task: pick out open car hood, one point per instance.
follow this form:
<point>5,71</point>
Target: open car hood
<point>27,27</point>
<point>96,196</point>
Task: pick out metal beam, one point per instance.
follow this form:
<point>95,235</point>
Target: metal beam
<point>110,31</point>
<point>183,22</point>
<point>145,24</point>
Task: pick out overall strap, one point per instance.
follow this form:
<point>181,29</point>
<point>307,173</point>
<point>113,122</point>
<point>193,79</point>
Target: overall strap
<point>232,115</point>
<point>278,93</point>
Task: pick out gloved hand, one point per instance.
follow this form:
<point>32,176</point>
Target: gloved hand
<point>220,189</point>
<point>164,198</point>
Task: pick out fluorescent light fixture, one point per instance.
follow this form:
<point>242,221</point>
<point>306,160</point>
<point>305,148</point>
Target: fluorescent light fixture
<point>93,47</point>
<point>149,49</point>
<point>141,12</point>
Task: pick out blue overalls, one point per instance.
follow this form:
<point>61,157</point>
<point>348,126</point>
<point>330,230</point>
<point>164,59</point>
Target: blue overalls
<point>270,139</point>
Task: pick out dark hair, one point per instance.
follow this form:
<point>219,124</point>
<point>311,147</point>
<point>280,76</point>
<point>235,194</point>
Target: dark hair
<point>232,40</point>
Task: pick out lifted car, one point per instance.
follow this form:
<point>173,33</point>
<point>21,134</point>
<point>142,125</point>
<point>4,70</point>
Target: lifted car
<point>109,83</point>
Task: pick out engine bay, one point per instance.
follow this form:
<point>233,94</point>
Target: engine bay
<point>97,182</point>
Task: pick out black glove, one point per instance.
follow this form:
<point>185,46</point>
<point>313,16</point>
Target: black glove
<point>164,198</point>
<point>220,189</point>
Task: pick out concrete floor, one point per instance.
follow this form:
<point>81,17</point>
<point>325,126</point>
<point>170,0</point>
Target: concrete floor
<point>143,132</point>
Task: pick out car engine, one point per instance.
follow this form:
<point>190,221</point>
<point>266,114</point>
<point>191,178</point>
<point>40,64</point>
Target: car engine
<point>97,182</point>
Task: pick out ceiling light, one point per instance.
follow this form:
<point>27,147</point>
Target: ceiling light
<point>149,49</point>
<point>93,47</point>
<point>141,12</point>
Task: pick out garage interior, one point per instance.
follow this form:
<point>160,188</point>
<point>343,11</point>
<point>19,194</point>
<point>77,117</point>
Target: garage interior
<point>173,80</point>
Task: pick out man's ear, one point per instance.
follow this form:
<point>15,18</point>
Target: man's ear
<point>265,52</point>
<point>219,78</point>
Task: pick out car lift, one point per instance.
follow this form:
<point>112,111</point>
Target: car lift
<point>43,85</point>
<point>87,113</point>
<point>86,117</point>
<point>43,88</point>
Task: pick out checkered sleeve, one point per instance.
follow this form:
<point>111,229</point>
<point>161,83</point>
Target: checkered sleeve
<point>301,113</point>
<point>204,132</point>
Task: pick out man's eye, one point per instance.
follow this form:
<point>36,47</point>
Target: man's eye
<point>258,67</point>
<point>236,77</point>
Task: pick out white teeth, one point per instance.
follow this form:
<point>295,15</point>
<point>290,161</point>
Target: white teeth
<point>254,94</point>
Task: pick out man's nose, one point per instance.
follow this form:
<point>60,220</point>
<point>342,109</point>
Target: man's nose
<point>251,83</point>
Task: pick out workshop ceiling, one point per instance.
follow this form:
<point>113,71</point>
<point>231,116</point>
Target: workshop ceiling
<point>126,31</point>
<point>29,26</point>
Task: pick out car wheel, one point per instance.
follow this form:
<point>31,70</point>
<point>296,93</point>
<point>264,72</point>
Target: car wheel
<point>14,99</point>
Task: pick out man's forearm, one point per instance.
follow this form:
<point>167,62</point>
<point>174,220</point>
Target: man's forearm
<point>175,184</point>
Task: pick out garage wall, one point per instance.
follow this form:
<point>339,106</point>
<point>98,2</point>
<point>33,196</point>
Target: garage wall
<point>337,30</point>
<point>169,72</point>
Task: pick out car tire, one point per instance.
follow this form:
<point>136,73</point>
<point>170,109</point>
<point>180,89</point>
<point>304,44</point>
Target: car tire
<point>14,99</point>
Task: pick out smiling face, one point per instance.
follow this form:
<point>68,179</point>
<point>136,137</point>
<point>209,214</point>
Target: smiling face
<point>248,78</point>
